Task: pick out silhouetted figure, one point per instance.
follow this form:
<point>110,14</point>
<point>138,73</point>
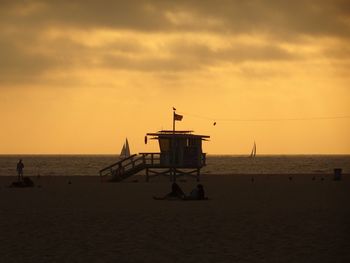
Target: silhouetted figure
<point>22,181</point>
<point>197,193</point>
<point>176,193</point>
<point>290,178</point>
<point>337,174</point>
<point>252,179</point>
<point>322,179</point>
<point>20,167</point>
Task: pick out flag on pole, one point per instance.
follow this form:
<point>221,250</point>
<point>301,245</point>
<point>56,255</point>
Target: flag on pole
<point>177,117</point>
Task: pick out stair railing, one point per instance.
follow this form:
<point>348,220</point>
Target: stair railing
<point>151,158</point>
<point>118,166</point>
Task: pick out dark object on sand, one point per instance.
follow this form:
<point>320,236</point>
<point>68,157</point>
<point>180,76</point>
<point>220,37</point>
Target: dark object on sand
<point>197,193</point>
<point>177,194</point>
<point>337,174</point>
<point>26,182</point>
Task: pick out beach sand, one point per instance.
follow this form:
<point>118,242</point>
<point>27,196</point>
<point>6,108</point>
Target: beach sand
<point>272,219</point>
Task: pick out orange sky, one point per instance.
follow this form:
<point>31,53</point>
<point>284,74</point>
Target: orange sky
<point>79,77</point>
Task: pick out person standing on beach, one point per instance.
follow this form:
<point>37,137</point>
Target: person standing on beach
<point>20,167</point>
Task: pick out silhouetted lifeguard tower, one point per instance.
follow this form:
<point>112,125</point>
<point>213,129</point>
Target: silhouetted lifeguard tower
<point>180,154</point>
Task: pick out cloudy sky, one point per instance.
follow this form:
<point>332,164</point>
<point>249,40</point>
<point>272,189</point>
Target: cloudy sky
<point>80,76</point>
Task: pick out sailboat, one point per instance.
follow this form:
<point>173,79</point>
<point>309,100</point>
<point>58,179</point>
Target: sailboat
<point>125,152</point>
<point>253,153</point>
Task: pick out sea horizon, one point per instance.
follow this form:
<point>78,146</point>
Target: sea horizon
<point>91,164</point>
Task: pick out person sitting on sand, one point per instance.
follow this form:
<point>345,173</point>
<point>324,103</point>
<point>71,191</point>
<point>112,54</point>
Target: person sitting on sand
<point>176,193</point>
<point>20,167</point>
<point>197,193</point>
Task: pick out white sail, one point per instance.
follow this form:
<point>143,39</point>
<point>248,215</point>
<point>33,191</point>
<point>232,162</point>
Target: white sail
<point>127,149</point>
<point>125,152</point>
<point>253,153</point>
<point>122,152</point>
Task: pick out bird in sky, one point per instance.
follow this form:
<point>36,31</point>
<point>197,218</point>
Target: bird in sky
<point>214,123</point>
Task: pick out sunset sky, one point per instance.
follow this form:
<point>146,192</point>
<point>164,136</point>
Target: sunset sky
<point>80,76</point>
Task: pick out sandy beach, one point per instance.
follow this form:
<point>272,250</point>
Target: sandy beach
<point>273,219</point>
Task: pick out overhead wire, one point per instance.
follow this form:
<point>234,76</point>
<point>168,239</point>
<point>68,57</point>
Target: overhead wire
<point>265,119</point>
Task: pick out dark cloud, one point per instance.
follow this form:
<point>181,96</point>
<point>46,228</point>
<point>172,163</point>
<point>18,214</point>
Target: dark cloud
<point>236,53</point>
<point>281,18</point>
<point>20,63</point>
<point>17,65</point>
<point>135,15</point>
<point>338,52</point>
<point>23,59</point>
<point>286,18</point>
<point>26,54</point>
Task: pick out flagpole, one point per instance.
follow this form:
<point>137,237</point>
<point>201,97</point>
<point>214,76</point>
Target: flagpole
<point>176,117</point>
<point>173,146</point>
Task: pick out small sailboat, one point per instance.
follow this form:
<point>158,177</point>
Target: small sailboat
<point>125,152</point>
<point>253,153</point>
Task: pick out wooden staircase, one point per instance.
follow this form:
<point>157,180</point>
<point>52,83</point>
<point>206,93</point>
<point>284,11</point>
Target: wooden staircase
<point>124,168</point>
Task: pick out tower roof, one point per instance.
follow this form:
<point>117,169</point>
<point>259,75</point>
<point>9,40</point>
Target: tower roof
<point>177,134</point>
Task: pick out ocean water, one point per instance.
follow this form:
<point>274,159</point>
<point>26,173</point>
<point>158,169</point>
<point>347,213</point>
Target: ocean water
<point>89,165</point>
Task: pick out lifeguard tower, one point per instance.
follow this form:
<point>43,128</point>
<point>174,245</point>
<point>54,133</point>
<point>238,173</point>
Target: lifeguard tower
<point>180,154</point>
